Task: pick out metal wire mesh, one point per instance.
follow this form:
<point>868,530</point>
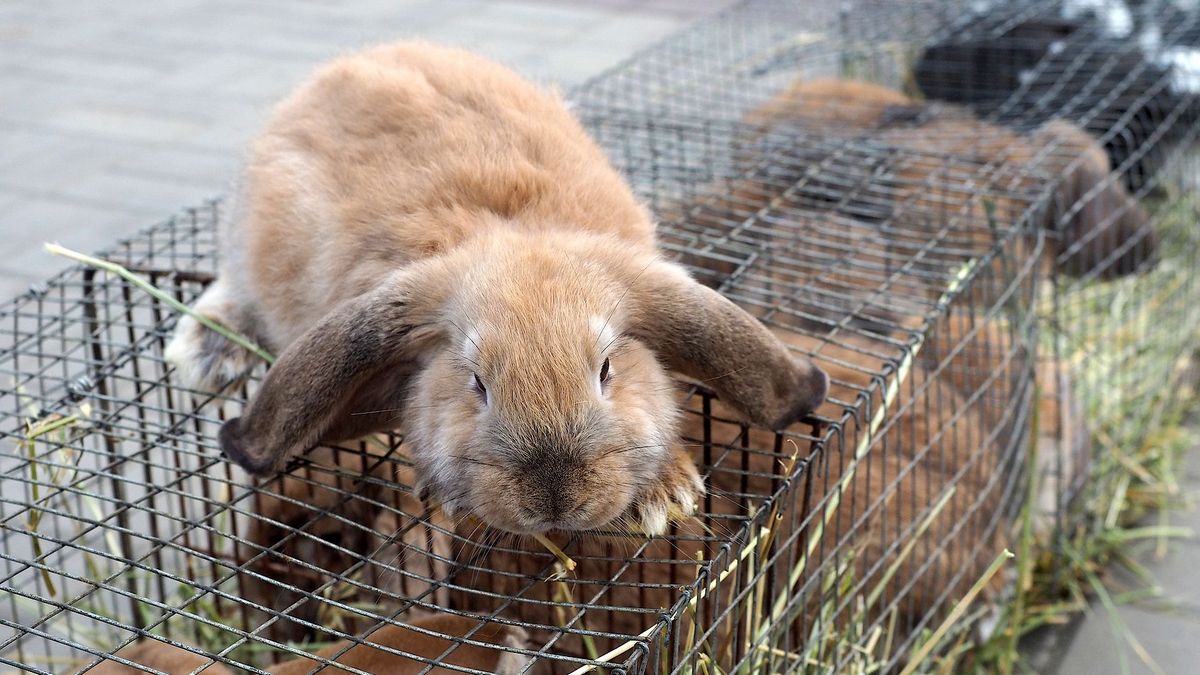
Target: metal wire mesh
<point>904,254</point>
<point>1122,340</point>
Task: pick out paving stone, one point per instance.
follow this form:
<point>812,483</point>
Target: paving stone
<point>44,218</point>
<point>13,284</point>
<point>1170,640</point>
<point>1167,626</point>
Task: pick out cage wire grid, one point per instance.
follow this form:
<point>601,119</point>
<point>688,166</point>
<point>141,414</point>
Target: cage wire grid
<point>136,419</point>
<point>1017,68</point>
<point>913,274</point>
<point>1130,91</point>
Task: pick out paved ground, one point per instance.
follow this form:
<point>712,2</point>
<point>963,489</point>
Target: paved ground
<point>1168,626</point>
<point>115,114</point>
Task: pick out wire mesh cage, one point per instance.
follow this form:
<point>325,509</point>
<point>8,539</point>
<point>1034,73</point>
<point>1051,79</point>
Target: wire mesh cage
<point>925,256</point>
<point>125,519</point>
<point>1119,324</point>
<point>1092,106</point>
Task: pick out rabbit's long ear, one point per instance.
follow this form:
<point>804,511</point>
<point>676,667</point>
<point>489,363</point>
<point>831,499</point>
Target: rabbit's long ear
<point>699,333</point>
<point>1101,228</point>
<point>1110,234</point>
<point>334,382</point>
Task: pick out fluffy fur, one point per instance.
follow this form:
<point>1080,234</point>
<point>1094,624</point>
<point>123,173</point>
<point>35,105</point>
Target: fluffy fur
<point>951,418</point>
<point>968,367</point>
<point>437,246</point>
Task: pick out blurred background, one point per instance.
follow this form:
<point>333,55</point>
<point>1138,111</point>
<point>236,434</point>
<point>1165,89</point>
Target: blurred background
<point>115,115</point>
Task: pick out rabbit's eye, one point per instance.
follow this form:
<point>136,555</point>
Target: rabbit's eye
<point>605,372</point>
<point>479,388</point>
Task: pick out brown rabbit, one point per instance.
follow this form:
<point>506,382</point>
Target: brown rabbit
<point>158,656</point>
<point>982,366</point>
<point>936,434</point>
<point>955,167</point>
<point>339,515</point>
<point>410,638</point>
<point>438,247</point>
<point>371,659</point>
<point>921,450</point>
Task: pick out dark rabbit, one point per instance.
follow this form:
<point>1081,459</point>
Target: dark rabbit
<point>421,637</point>
<point>1023,70</point>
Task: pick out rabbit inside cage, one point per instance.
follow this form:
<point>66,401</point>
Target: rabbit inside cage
<point>784,428</point>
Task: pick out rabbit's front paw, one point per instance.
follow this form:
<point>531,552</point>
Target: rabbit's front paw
<point>675,496</point>
<point>204,359</point>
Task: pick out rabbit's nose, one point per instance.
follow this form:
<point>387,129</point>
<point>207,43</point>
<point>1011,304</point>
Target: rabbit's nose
<point>551,494</point>
<point>819,386</point>
<point>550,487</point>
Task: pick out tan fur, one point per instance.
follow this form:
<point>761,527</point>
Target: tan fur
<point>947,416</point>
<point>158,656</point>
<point>415,217</point>
<point>369,658</point>
<point>985,363</point>
<point>411,150</point>
<point>830,104</point>
<point>365,657</point>
<point>962,172</point>
<point>936,434</point>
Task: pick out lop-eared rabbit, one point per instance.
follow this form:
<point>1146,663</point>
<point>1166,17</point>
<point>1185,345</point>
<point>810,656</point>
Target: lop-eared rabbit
<point>944,436</point>
<point>436,246</point>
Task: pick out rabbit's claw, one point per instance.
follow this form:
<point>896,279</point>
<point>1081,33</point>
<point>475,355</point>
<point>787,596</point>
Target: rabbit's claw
<point>675,496</point>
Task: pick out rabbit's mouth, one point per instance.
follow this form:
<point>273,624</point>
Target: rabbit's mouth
<point>524,514</point>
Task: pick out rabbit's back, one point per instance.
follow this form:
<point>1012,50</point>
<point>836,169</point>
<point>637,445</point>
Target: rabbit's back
<point>406,151</point>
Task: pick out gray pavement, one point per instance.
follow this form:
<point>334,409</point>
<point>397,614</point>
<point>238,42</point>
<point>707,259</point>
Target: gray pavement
<point>1166,626</point>
<point>115,114</point>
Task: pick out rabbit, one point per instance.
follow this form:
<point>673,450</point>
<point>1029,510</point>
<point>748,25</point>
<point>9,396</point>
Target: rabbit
<point>159,656</point>
<point>981,348</point>
<point>410,548</point>
<point>305,532</point>
<point>950,169</point>
<point>369,658</point>
<point>365,656</point>
<point>341,514</point>
<point>959,394</point>
<point>438,248</point>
